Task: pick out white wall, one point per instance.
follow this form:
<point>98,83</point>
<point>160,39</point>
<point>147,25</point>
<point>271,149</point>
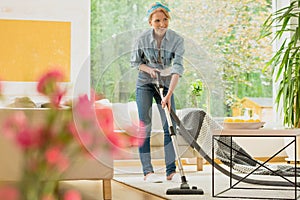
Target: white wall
<point>78,13</point>
<point>278,4</point>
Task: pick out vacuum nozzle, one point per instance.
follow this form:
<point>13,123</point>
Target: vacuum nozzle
<point>185,191</point>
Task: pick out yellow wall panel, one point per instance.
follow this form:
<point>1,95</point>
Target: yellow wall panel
<point>28,48</point>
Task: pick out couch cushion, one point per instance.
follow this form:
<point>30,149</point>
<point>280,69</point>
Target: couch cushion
<point>125,115</point>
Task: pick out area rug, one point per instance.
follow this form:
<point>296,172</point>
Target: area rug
<point>203,180</point>
<point>160,189</point>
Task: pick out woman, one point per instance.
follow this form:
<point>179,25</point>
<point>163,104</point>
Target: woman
<point>157,50</point>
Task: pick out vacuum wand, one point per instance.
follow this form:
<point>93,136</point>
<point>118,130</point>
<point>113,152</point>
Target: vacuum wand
<point>171,129</point>
<point>184,187</point>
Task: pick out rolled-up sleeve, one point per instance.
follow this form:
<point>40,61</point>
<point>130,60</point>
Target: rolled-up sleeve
<point>177,67</point>
<point>136,56</point>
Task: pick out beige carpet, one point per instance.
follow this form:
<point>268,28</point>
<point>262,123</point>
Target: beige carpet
<point>203,180</point>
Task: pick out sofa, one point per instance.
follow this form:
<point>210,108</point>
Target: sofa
<point>126,114</point>
<point>83,167</point>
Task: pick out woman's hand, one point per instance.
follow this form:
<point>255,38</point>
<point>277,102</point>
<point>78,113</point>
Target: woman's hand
<point>166,101</point>
<point>153,72</point>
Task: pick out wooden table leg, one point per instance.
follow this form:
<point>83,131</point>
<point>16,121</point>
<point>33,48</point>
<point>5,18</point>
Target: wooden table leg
<point>199,163</point>
<point>107,193</point>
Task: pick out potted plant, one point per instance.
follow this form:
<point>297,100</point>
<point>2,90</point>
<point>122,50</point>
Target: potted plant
<point>196,91</point>
<point>286,61</point>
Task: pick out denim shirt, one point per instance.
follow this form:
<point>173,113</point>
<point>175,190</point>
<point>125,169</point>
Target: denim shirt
<point>146,52</point>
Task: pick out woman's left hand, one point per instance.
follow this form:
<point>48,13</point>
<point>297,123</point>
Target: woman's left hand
<point>166,101</point>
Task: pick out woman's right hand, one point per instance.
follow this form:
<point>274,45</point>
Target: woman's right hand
<point>153,72</point>
<point>150,70</point>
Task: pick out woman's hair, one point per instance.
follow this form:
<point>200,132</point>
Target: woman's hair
<point>158,7</point>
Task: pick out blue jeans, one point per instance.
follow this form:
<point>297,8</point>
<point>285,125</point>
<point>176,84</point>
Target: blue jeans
<point>144,99</point>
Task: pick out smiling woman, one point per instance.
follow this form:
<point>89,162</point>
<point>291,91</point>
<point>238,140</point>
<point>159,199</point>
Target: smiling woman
<point>150,57</point>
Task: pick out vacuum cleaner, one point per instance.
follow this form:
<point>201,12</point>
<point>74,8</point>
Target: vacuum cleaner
<point>191,139</point>
<point>184,188</point>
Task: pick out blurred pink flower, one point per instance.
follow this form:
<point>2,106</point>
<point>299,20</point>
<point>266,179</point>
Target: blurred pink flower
<point>25,139</point>
<point>84,108</point>
<point>48,85</point>
<point>55,157</point>
<point>13,124</point>
<point>57,96</point>
<point>48,143</point>
<point>17,127</point>
<point>138,134</point>
<point>133,135</point>
<point>105,120</point>
<point>72,195</point>
<point>9,193</point>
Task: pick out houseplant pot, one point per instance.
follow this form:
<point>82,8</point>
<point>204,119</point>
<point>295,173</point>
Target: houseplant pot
<point>286,63</point>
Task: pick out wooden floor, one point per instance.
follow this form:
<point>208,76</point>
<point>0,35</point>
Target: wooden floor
<point>121,190</point>
<point>91,190</point>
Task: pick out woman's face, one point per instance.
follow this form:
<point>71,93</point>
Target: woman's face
<point>159,23</point>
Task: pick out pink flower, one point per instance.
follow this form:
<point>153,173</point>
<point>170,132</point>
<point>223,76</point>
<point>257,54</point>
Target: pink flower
<point>72,195</point>
<point>57,96</point>
<point>25,139</point>
<point>9,193</point>
<point>116,140</point>
<point>13,124</point>
<point>105,120</point>
<point>97,132</point>
<point>17,127</point>
<point>55,157</point>
<point>84,108</point>
<point>138,134</point>
<point>48,85</point>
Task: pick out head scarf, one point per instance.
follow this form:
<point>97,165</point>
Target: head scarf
<point>157,5</point>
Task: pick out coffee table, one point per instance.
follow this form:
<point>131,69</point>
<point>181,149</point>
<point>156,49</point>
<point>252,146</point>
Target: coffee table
<point>235,185</point>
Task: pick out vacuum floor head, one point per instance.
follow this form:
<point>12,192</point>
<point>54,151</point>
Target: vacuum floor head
<point>185,191</point>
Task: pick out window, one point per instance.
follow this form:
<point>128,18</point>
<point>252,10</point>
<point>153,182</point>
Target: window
<point>222,43</point>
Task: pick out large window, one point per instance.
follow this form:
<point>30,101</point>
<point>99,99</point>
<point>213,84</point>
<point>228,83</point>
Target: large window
<point>223,50</point>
